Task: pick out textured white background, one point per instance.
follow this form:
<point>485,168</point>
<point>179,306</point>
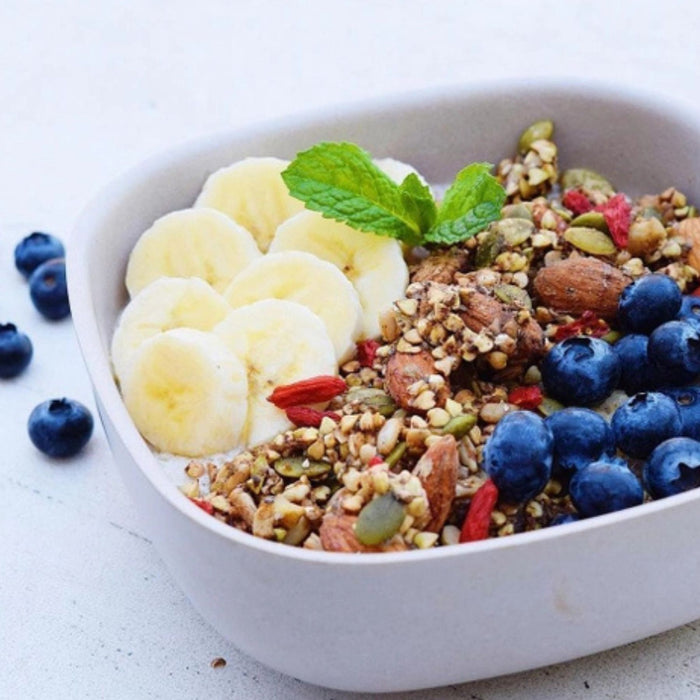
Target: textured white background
<point>88,89</point>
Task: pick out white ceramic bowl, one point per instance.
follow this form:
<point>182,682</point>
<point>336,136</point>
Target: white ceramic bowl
<point>408,620</point>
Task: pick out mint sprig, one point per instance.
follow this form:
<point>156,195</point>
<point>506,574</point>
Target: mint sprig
<point>341,181</point>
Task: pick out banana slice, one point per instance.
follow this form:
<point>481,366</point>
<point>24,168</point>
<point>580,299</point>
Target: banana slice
<point>252,193</point>
<point>186,393</point>
<point>191,243</point>
<point>169,302</point>
<point>374,264</point>
<point>279,342</point>
<point>310,281</point>
<point>397,170</point>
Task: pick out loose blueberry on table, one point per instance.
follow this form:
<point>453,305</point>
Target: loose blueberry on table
<point>60,427</point>
<point>15,350</point>
<point>49,291</point>
<point>37,248</point>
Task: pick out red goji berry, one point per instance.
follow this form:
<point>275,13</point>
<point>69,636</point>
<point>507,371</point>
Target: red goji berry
<point>375,460</point>
<point>577,202</point>
<point>587,324</point>
<point>476,524</point>
<point>313,390</point>
<point>306,417</point>
<point>204,505</point>
<point>618,214</point>
<point>526,397</point>
<point>367,352</point>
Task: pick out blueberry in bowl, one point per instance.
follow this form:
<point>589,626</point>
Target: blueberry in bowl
<point>637,373</point>
<point>673,467</point>
<point>647,303</point>
<point>687,399</point>
<point>581,371</point>
<point>690,310</point>
<point>645,421</point>
<point>674,349</point>
<point>605,486</point>
<point>518,456</point>
<point>581,436</point>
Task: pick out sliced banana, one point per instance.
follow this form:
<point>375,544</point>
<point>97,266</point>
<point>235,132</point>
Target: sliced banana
<point>191,243</point>
<point>187,393</point>
<point>169,302</point>
<point>374,264</point>
<point>279,342</point>
<point>308,280</point>
<point>397,170</point>
<point>252,193</point>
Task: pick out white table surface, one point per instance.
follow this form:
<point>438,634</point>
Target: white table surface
<point>87,89</point>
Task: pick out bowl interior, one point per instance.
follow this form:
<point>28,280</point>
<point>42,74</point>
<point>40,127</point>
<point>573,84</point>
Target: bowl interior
<point>639,143</point>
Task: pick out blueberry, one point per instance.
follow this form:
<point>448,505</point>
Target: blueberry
<point>564,518</point>
<point>15,350</point>
<point>60,427</point>
<point>647,303</point>
<point>35,249</point>
<point>605,486</point>
<point>674,349</point>
<point>580,371</point>
<point>580,436</point>
<point>637,373</point>
<point>687,399</point>
<point>644,421</point>
<point>690,310</point>
<point>673,467</point>
<point>47,287</point>
<point>518,456</point>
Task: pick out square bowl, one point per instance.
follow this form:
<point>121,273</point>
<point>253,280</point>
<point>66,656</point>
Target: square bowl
<point>407,620</point>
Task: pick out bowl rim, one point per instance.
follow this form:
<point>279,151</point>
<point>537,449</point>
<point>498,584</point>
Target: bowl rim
<point>98,366</point>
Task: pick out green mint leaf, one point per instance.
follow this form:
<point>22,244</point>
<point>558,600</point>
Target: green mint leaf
<point>418,199</point>
<point>340,181</point>
<point>470,204</point>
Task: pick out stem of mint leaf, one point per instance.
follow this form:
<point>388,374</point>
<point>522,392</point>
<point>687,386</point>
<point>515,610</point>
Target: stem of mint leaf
<point>341,181</point>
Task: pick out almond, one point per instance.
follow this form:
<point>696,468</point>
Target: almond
<point>403,370</point>
<point>437,471</point>
<point>581,284</point>
<point>337,534</point>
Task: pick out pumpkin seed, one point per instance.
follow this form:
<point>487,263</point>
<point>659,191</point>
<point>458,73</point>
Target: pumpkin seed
<point>590,240</point>
<point>379,520</point>
<point>585,179</point>
<point>512,294</point>
<point>392,459</point>
<point>549,406</point>
<point>489,248</point>
<point>514,231</point>
<point>611,337</point>
<point>296,467</point>
<point>543,129</point>
<point>516,211</point>
<point>591,219</point>
<point>459,426</point>
<point>377,399</point>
